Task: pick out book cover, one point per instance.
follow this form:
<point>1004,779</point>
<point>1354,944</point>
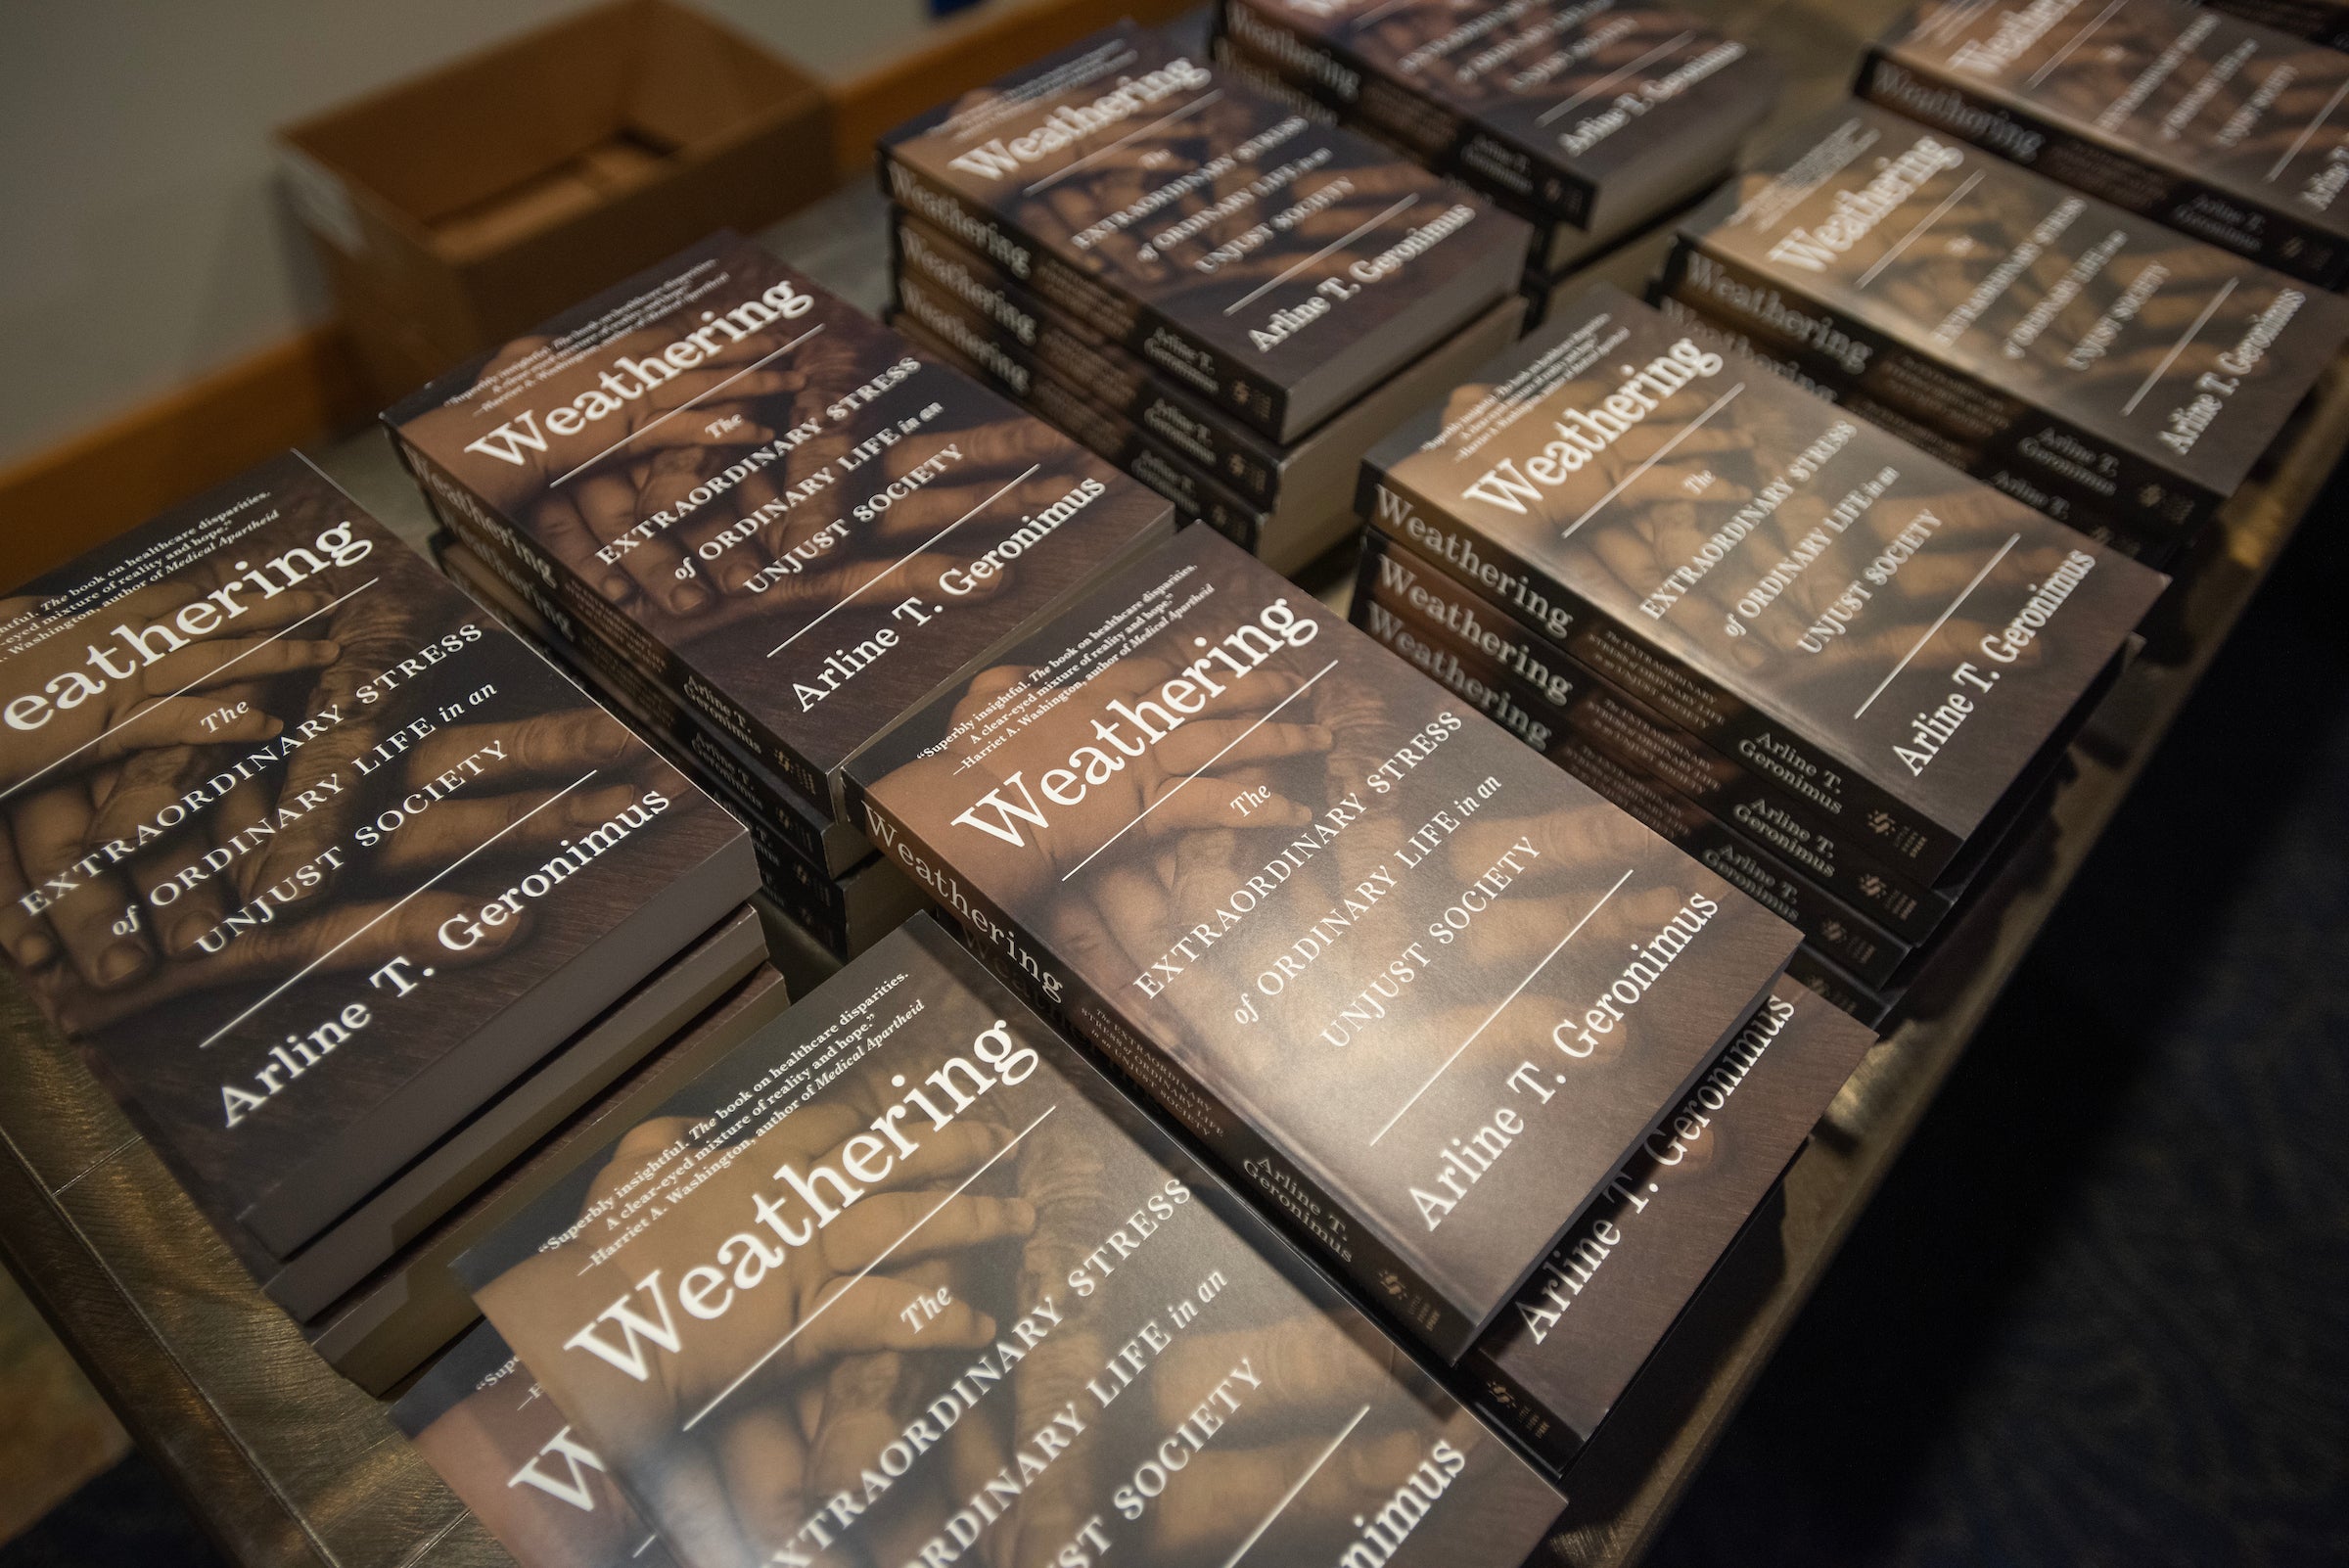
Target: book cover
<point>312,856</point>
<point>904,1279</point>
<point>1416,987</point>
<point>411,1306</point>
<point>1575,1338</point>
<point>1592,113</point>
<point>2130,366</point>
<point>508,1454</point>
<point>767,499</point>
<point>1279,266</point>
<point>1922,638</point>
<point>2217,127</point>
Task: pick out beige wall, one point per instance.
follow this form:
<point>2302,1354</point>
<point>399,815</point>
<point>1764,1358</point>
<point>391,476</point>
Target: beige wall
<point>142,238</point>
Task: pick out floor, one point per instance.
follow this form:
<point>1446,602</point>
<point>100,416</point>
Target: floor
<point>2100,1314</point>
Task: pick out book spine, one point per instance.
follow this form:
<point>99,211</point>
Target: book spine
<point>965,343</point>
<point>1890,831</point>
<point>1825,921</point>
<point>1987,424</point>
<point>1300,1205</point>
<point>1156,337</point>
<point>707,759</point>
<point>473,521</point>
<point>1094,366</point>
<point>1620,724</point>
<point>1872,1009</point>
<point>2267,234</point>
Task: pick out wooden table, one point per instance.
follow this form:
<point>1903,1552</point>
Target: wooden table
<point>284,1462</point>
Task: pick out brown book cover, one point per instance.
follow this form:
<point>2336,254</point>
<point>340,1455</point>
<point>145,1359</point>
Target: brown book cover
<point>1904,642</point>
<point>1279,266</point>
<point>508,1454</point>
<point>1591,114</point>
<point>1402,587</point>
<point>1573,1339</point>
<point>408,1308</point>
<point>2218,127</point>
<point>313,856</point>
<point>2132,367</point>
<point>903,1279</point>
<point>1414,985</point>
<point>767,499</point>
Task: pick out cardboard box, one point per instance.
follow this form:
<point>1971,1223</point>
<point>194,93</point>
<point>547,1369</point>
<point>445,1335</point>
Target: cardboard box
<point>455,209</point>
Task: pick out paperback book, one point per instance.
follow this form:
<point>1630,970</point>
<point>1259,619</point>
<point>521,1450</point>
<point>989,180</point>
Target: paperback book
<point>1280,268</point>
<point>1590,117</point>
<point>1901,644</point>
<point>904,1279</point>
<point>2131,369</point>
<point>2216,128</point>
<point>313,857</point>
<point>1417,989</point>
<point>765,500</point>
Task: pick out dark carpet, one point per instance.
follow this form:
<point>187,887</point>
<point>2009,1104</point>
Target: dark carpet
<point>2099,1313</point>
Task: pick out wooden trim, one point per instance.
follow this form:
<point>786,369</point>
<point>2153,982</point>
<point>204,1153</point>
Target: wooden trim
<point>58,503</point>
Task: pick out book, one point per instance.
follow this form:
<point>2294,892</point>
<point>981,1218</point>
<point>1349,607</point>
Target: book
<point>2324,21</point>
<point>508,1454</point>
<point>2216,128</point>
<point>766,500</point>
<point>379,1330</point>
<point>1590,117</point>
<point>1576,1337</point>
<point>2132,369</point>
<point>1417,990</point>
<point>1281,267</point>
<point>1731,549</point>
<point>1538,689</point>
<point>316,858</point>
<point>494,1136</point>
<point>904,1276</point>
<point>1299,497</point>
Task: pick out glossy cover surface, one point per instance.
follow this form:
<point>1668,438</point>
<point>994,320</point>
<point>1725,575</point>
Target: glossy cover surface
<point>904,1274</point>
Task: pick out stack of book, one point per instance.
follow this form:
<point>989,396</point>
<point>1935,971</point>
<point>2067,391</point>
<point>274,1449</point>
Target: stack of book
<point>1827,664</point>
<point>764,525</point>
<point>903,1279</point>
<point>1591,119</point>
<point>1229,299</point>
<point>2121,377</point>
<point>349,898</point>
<point>2219,128</point>
<point>1418,991</point>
